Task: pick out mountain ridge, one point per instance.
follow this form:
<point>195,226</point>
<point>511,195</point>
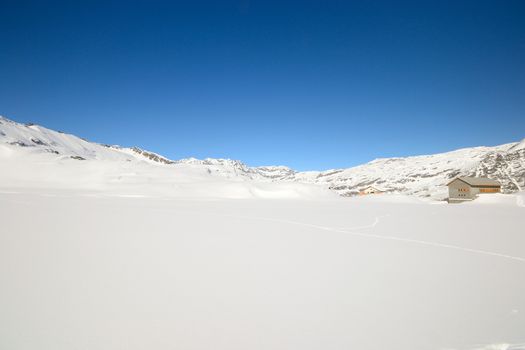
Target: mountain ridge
<point>420,175</point>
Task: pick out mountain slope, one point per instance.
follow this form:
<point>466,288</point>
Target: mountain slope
<point>424,176</point>
<point>427,175</point>
<point>33,157</point>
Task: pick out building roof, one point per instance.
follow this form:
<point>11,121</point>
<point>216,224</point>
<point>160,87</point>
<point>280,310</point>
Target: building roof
<point>477,181</point>
<point>374,188</point>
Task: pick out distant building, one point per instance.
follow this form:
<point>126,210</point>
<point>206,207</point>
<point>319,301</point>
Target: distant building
<point>467,188</point>
<point>370,190</point>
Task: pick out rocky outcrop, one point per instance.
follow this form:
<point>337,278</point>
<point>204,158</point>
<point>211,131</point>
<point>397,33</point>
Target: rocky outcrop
<point>152,156</point>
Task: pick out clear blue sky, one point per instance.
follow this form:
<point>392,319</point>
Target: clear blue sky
<point>309,84</point>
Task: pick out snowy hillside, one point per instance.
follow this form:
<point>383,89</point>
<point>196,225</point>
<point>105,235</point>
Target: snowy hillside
<point>420,175</point>
<point>32,156</point>
<point>427,175</point>
<point>424,176</point>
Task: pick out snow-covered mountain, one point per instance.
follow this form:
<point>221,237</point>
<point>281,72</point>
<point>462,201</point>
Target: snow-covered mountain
<point>34,157</point>
<point>424,175</point>
<point>427,175</point>
<point>419,175</point>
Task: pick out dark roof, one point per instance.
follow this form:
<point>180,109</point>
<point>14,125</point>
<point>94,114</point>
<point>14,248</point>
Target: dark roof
<point>477,181</point>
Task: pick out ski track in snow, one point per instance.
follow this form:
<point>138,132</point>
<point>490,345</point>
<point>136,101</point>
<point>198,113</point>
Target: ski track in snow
<point>391,238</point>
<point>372,225</point>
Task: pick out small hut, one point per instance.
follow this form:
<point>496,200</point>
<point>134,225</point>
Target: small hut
<point>370,190</point>
<point>467,188</point>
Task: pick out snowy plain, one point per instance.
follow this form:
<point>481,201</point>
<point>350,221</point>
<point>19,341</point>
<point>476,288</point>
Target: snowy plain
<point>88,271</point>
<point>119,252</point>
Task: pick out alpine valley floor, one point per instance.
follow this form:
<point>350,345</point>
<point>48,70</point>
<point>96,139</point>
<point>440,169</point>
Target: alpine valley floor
<point>82,270</point>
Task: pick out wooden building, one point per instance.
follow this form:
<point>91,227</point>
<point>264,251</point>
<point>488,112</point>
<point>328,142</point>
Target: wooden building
<point>467,188</point>
<point>370,190</point>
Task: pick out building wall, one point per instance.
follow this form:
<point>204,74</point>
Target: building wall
<point>459,190</point>
<point>480,190</point>
<point>370,190</point>
<point>490,190</point>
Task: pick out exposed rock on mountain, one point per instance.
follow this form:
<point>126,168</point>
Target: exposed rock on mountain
<point>152,156</point>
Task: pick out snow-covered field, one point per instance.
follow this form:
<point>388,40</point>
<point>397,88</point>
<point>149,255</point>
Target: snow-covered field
<point>84,269</point>
<point>105,247</point>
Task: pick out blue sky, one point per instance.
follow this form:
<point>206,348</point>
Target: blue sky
<point>309,84</point>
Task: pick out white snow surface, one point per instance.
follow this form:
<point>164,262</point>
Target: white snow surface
<point>85,270</point>
<point>121,248</point>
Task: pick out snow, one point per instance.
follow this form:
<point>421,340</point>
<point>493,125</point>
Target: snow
<point>497,198</point>
<point>520,199</point>
<point>82,269</point>
<point>119,251</point>
<point>124,171</point>
<point>139,177</point>
<point>424,176</point>
<point>519,146</point>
